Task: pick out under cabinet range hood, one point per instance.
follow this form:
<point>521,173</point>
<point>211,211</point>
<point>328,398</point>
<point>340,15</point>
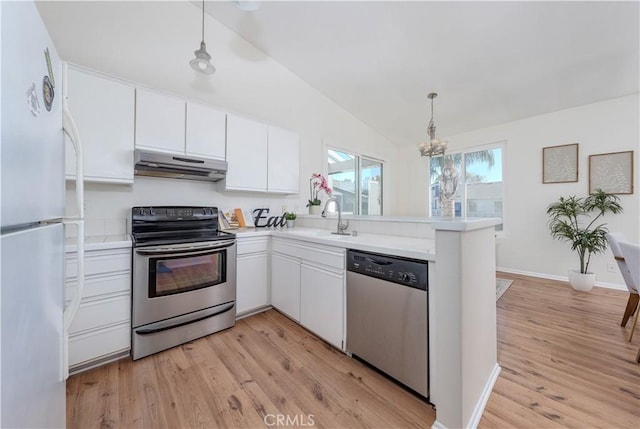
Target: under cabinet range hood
<point>159,164</point>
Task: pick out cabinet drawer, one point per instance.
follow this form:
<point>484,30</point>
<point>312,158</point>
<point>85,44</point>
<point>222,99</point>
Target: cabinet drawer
<point>96,314</point>
<point>99,262</point>
<point>97,286</point>
<point>323,255</point>
<point>252,245</point>
<point>100,344</point>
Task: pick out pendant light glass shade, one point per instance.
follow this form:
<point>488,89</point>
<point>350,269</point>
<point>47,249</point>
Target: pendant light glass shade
<point>434,146</point>
<point>202,62</point>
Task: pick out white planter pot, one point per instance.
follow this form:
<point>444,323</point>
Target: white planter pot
<point>315,210</point>
<point>291,223</point>
<point>581,282</point>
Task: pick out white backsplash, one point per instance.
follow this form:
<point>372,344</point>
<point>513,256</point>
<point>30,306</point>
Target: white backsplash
<point>383,226</point>
<point>100,227</point>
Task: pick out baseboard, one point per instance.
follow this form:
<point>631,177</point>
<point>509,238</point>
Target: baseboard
<point>559,278</point>
<point>438,425</point>
<point>253,311</point>
<point>78,368</point>
<point>484,398</point>
<point>474,420</point>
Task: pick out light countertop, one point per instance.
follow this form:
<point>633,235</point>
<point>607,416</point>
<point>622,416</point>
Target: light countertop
<point>408,247</point>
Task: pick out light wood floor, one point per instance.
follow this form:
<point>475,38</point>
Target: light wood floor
<point>565,363</point>
<point>263,367</point>
<point>565,359</point>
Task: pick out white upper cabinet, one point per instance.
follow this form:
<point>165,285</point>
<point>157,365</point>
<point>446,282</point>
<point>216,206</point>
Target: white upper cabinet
<point>103,110</point>
<point>261,158</point>
<point>160,122</point>
<point>206,129</point>
<point>246,155</point>
<point>283,161</point>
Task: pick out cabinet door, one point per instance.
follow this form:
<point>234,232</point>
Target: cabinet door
<point>285,285</point>
<point>283,161</point>
<point>252,282</point>
<point>160,122</point>
<point>246,155</point>
<point>322,303</point>
<point>103,110</point>
<point>206,131</point>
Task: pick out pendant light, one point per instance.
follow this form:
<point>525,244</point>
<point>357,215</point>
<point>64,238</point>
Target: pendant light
<point>434,146</point>
<point>202,62</point>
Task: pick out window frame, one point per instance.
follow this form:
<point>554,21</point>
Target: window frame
<point>358,169</point>
<point>463,192</point>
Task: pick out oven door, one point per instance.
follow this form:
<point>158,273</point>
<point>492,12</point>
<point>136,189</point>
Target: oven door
<point>175,280</point>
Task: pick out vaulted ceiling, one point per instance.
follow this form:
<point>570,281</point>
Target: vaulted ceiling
<point>490,62</point>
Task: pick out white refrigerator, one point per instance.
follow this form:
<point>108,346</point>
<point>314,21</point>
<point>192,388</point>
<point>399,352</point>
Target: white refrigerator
<point>33,365</point>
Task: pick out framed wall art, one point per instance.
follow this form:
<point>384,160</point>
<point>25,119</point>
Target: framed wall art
<point>611,172</point>
<point>560,163</point>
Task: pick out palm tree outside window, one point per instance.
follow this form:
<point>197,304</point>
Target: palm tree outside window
<point>479,191</point>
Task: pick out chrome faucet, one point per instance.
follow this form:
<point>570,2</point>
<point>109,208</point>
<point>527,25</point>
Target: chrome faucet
<point>341,229</point>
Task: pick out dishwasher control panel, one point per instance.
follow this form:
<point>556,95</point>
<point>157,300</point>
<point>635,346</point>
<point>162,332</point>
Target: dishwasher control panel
<point>404,271</point>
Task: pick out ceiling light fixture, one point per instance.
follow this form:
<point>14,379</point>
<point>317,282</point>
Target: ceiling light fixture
<point>202,62</point>
<point>434,146</point>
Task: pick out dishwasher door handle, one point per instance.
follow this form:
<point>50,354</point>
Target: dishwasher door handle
<point>379,262</point>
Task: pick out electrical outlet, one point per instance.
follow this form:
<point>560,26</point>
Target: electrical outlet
<point>612,267</point>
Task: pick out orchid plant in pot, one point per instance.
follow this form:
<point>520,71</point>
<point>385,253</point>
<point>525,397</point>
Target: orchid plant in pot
<point>317,183</point>
<point>573,220</point>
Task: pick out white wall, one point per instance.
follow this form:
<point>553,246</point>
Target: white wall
<point>608,126</point>
<point>152,42</point>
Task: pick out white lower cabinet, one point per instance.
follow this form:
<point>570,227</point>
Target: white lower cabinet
<point>285,284</point>
<point>308,284</point>
<point>252,274</point>
<point>101,330</point>
<point>322,302</point>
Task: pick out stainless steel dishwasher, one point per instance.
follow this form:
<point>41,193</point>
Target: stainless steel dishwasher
<point>387,316</point>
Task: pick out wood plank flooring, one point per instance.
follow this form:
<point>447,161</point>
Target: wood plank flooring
<point>266,367</point>
<point>565,359</point>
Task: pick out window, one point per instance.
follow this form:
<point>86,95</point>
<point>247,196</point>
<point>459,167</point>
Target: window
<point>356,181</point>
<point>479,190</point>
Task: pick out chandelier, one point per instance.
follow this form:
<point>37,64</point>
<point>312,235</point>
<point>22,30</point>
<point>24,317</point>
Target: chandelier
<point>434,146</point>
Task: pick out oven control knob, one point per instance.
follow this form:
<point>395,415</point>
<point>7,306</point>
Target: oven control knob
<point>405,277</point>
<point>152,212</point>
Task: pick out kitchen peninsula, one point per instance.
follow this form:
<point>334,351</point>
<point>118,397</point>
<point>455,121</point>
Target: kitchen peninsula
<point>462,316</point>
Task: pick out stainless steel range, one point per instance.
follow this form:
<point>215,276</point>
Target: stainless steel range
<point>184,277</point>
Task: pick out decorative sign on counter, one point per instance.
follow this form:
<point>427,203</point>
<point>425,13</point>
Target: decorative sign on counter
<point>262,221</point>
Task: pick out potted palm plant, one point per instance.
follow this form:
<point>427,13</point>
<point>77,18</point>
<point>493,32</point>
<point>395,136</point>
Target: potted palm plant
<point>573,220</point>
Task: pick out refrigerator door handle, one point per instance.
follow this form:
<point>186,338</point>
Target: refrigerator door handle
<point>72,309</point>
<point>69,127</point>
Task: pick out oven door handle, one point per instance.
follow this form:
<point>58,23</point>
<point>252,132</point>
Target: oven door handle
<point>191,250</point>
<point>175,322</point>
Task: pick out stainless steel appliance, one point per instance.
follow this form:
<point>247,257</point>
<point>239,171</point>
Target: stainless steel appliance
<point>184,277</point>
<point>387,316</point>
<point>158,164</point>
